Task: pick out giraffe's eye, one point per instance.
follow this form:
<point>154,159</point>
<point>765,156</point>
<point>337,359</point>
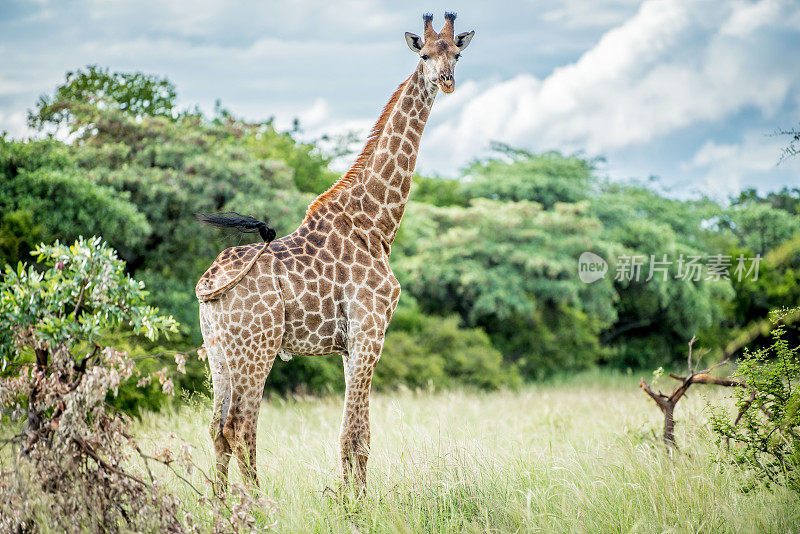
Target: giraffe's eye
<point>424,56</point>
<point>458,56</point>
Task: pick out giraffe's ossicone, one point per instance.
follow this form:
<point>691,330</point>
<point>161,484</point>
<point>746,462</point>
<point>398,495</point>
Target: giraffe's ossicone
<point>327,287</point>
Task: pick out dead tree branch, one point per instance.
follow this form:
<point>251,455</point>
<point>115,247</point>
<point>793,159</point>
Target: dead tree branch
<point>667,403</point>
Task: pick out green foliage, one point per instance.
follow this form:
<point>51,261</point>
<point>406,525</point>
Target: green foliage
<point>18,233</point>
<point>81,296</point>
<point>430,351</point>
<point>44,196</point>
<point>760,227</point>
<point>83,290</point>
<point>311,174</point>
<point>438,191</point>
<point>767,438</point>
<point>510,267</point>
<point>317,375</point>
<point>548,178</point>
<point>786,199</point>
<point>85,91</point>
<point>767,223</point>
<point>656,316</point>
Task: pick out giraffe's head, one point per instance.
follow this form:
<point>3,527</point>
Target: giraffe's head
<point>440,51</point>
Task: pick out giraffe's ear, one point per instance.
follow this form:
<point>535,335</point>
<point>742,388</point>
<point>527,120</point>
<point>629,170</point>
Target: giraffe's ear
<point>463,39</point>
<point>414,42</point>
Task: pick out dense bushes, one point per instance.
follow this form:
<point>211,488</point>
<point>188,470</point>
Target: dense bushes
<point>56,378</point>
<point>766,436</point>
<point>429,351</point>
<point>76,466</point>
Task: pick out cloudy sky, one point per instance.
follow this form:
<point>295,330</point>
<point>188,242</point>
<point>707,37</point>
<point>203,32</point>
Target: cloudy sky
<point>689,91</point>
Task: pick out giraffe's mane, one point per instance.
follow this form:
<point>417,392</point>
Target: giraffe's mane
<point>348,178</point>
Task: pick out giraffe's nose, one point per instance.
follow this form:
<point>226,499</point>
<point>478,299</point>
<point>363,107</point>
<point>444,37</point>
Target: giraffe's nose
<point>446,82</point>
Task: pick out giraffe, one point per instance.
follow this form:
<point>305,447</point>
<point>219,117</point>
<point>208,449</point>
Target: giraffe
<point>327,287</point>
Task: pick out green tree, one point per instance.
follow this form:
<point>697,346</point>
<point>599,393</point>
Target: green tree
<point>438,191</point>
<point>547,178</point>
<point>511,268</point>
<point>761,227</point>
<point>656,316</point>
<point>75,101</point>
<point>45,196</point>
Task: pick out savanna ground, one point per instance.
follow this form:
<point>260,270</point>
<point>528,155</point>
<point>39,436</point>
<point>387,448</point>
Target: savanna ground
<point>581,454</point>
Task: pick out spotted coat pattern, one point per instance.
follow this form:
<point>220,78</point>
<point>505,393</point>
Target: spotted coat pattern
<point>325,288</point>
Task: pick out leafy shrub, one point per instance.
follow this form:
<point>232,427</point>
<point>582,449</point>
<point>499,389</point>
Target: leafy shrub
<point>71,447</point>
<point>766,435</point>
<point>73,464</point>
<point>44,196</point>
<point>316,375</point>
<point>427,350</point>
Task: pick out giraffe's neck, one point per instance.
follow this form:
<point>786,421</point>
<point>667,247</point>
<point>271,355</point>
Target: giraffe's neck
<point>373,194</point>
<point>387,173</point>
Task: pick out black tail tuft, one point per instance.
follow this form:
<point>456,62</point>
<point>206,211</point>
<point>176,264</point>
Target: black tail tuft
<point>243,223</point>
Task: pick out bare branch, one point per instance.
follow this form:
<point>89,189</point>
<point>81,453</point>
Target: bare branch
<point>667,403</point>
<point>691,343</point>
<point>659,398</point>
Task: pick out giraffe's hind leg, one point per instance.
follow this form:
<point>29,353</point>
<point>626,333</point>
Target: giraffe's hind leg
<point>221,385</point>
<point>250,350</point>
<point>248,375</point>
<point>250,367</point>
<point>246,326</point>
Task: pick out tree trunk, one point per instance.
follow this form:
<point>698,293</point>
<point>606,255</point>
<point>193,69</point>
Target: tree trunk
<point>34,423</point>
<point>669,425</point>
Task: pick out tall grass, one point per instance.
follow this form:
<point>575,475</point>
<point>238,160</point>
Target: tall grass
<point>581,455</point>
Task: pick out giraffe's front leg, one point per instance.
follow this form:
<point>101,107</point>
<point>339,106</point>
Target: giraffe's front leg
<point>359,365</point>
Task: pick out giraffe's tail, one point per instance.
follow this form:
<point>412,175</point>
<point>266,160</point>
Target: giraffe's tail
<point>237,221</point>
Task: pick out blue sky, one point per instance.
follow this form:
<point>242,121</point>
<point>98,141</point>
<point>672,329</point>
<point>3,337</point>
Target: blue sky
<point>688,91</point>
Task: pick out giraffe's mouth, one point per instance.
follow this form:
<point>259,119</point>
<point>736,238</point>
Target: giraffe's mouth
<point>447,87</point>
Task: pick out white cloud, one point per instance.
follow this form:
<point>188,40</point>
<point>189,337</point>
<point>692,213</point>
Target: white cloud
<point>15,124</point>
<point>724,167</point>
<point>674,64</point>
<point>316,115</point>
<point>211,18</point>
<point>712,153</point>
<point>748,17</point>
<point>588,13</point>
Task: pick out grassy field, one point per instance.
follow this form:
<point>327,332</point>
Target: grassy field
<point>581,455</point>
